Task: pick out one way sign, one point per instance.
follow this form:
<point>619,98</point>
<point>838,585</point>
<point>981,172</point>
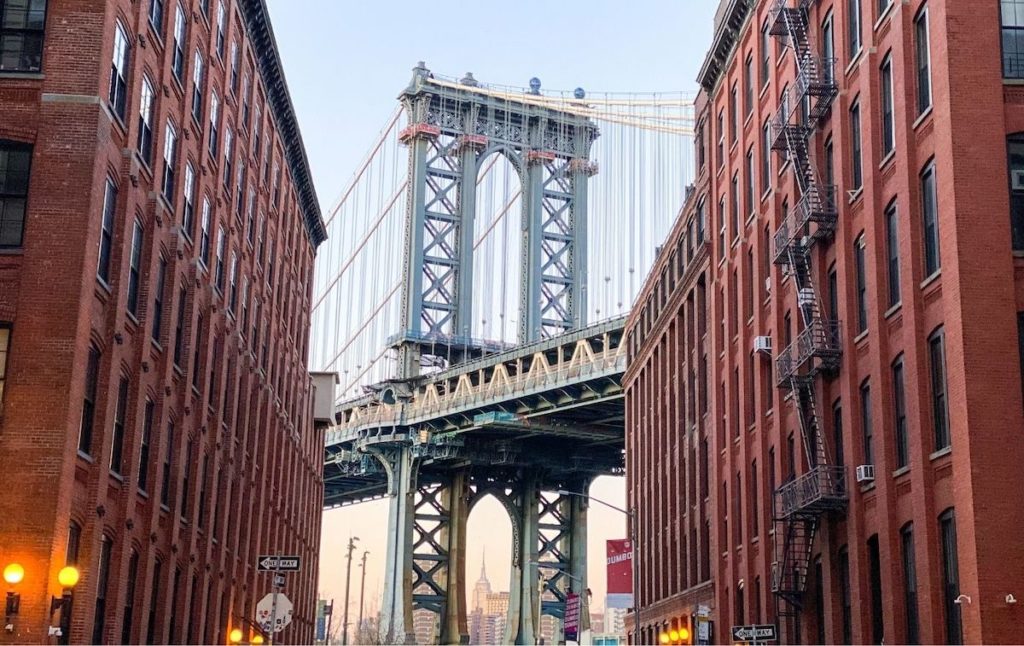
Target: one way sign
<point>277,563</point>
<point>756,633</point>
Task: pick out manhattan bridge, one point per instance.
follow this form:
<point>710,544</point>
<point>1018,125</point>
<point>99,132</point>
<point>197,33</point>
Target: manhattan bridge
<point>472,297</point>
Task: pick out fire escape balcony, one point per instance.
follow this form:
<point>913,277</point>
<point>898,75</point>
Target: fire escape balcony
<point>818,341</point>
<point>820,490</point>
<point>818,205</point>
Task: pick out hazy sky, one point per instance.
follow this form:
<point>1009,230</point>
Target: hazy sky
<point>347,60</point>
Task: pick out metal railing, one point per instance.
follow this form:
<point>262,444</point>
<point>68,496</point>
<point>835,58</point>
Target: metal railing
<point>821,489</point>
<point>817,205</point>
<point>821,339</point>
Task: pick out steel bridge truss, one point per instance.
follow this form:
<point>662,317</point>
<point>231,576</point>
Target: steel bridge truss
<point>450,132</point>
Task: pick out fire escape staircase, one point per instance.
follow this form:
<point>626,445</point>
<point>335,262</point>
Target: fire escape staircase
<point>800,503</point>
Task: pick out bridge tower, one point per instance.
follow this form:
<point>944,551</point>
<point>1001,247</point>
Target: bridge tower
<point>801,504</point>
<point>452,128</point>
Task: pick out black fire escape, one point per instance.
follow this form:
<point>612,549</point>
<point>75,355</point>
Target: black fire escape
<point>800,504</point>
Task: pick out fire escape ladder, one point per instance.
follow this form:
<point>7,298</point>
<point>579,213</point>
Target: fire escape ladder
<point>800,503</point>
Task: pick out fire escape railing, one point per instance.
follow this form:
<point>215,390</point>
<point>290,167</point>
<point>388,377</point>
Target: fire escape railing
<point>817,349</point>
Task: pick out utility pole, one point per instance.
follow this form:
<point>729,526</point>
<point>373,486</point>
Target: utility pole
<point>348,580</point>
<point>362,589</point>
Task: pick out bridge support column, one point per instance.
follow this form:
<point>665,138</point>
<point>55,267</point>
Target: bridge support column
<point>453,626</point>
<point>523,624</point>
<point>396,613</point>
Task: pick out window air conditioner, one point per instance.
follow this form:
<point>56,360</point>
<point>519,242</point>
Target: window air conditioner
<point>866,473</point>
<point>1017,180</point>
<point>763,344</point>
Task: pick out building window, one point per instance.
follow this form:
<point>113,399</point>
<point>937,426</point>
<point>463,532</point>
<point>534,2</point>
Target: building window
<point>845,601</point>
<point>755,511</point>
<point>220,260</point>
<point>721,149</point>
<point>221,28</point>
<point>204,234</point>
<point>102,578</point>
<point>165,480</point>
<point>830,165</point>
<point>170,157</point>
<point>188,203</point>
<point>106,231</point>
<point>147,435</point>
<point>837,432</point>
<point>721,230</point>
<point>828,47</point>
<point>900,412</point>
<point>15,165</point>
<point>751,188</point>
<point>860,266</point>
<point>1015,155</point>
<point>156,15</point>
<point>229,138</point>
<point>910,583</point>
<point>233,284</point>
<point>197,352</point>
<point>853,26</point>
<point>117,442</point>
<point>930,220</point>
<point>875,584</point>
<point>923,60</point>
<point>154,599</point>
<point>766,156</point>
<point>766,53</point>
<point>748,85</point>
<point>937,369</point>
<point>119,71</point>
<point>134,269</point>
<point>735,206</point>
<point>1012,18</point>
<point>158,299</point>
<point>950,577</point>
<point>819,601</point>
<point>179,328</point>
<point>144,143</point>
<point>178,60</point>
<point>197,87</point>
<point>888,118</point>
<point>129,598</point>
<point>92,376</point>
<point>174,623</point>
<point>734,128</point>
<point>5,345</point>
<point>185,479</point>
<point>234,67</point>
<point>865,421</point>
<point>214,111</point>
<point>856,160</point>
<point>833,293</point>
<point>892,246</point>
<point>22,23</point>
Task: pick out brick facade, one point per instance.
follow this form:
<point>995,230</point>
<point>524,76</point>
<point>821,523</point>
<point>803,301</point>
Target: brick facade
<point>961,316</point>
<point>217,403</point>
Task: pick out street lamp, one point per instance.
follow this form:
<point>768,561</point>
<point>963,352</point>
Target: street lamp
<point>631,515</point>
<point>68,579</point>
<point>13,575</point>
<point>235,636</point>
<point>584,591</point>
<point>348,580</point>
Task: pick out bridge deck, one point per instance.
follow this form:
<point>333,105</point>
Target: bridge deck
<point>554,406</point>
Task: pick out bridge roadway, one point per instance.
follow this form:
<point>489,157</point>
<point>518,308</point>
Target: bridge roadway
<point>521,425</point>
<point>555,403</point>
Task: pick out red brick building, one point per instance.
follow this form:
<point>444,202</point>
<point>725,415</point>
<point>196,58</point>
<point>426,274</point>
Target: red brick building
<point>866,314</point>
<point>158,226</point>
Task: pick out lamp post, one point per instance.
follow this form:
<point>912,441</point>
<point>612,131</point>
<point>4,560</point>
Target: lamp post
<point>584,592</point>
<point>362,591</point>
<point>348,580</point>
<point>631,515</point>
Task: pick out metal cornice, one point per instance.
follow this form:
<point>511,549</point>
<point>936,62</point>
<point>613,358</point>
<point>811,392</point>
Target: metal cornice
<point>726,34</point>
<point>264,45</point>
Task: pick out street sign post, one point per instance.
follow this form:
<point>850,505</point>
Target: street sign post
<point>274,612</point>
<point>278,563</point>
<point>755,634</point>
<point>278,580</point>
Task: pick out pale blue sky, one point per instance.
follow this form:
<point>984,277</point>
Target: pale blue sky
<point>347,60</point>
